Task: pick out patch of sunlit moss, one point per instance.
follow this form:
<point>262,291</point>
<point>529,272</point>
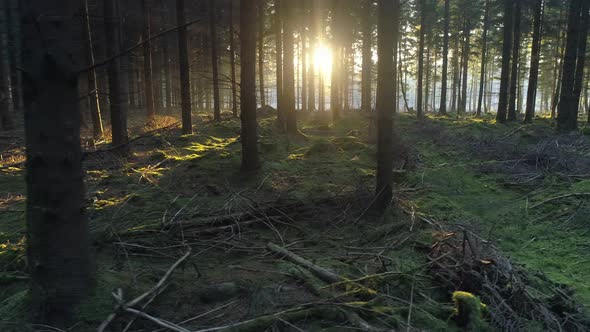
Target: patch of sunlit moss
<point>12,254</point>
<point>100,204</point>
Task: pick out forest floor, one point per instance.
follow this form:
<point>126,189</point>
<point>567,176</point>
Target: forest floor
<point>497,211</point>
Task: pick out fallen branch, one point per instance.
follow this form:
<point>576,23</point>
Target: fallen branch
<point>156,290</point>
<point>320,272</point>
<point>559,197</point>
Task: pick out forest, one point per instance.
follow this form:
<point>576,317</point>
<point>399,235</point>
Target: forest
<point>282,165</point>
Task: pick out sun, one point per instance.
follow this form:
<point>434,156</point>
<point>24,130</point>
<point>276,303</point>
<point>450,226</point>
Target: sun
<point>322,60</point>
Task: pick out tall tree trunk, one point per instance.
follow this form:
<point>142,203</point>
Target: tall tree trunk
<point>535,58</point>
<point>445,68</point>
<point>558,67</point>
<point>387,37</point>
<point>512,105</point>
<point>428,72</point>
<point>166,60</point>
<point>505,75</point>
<point>14,50</point>
<point>58,242</point>
<point>184,69</point>
<point>337,56</point>
<point>248,85</point>
<point>456,72</point>
<point>93,101</point>
<point>567,111</point>
<point>214,60</point>
<point>484,49</point>
<point>6,115</point>
<point>466,50</point>
<point>311,107</point>
<point>367,60</point>
<point>278,30</point>
<point>289,67</point>
<point>419,92</point>
<point>581,58</point>
<point>232,60</point>
<point>260,5</point>
<point>303,58</point>
<point>147,63</point>
<point>117,101</point>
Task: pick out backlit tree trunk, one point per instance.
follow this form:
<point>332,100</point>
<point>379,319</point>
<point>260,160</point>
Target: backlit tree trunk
<point>419,92</point>
<point>97,129</point>
<point>535,58</point>
<point>214,59</point>
<point>512,104</point>
<point>248,85</point>
<point>388,10</point>
<point>260,5</point>
<point>484,49</point>
<point>445,67</point>
<point>147,64</point>
<point>232,60</point>
<point>278,30</point>
<point>367,61</point>
<point>505,75</point>
<point>289,67</point>
<point>117,99</point>
<point>184,70</point>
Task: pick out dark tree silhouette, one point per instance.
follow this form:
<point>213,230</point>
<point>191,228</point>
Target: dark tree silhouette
<point>248,85</point>
<point>184,68</point>
<point>58,246</point>
<point>505,75</point>
<point>445,67</point>
<point>388,11</point>
<point>535,59</point>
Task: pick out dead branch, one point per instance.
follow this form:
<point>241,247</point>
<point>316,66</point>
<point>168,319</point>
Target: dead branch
<point>320,272</point>
<point>157,289</point>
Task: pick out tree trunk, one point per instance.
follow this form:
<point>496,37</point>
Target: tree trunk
<point>567,113</point>
<point>484,49</point>
<point>535,58</point>
<point>419,92</point>
<point>167,99</point>
<point>512,105</point>
<point>278,30</point>
<point>466,50</point>
<point>456,72</point>
<point>117,102</point>
<point>311,107</point>
<point>303,58</point>
<point>289,68</point>
<point>260,5</point>
<point>505,75</point>
<point>367,61</point>
<point>58,244</point>
<point>93,101</point>
<point>184,70</point>
<point>214,60</point>
<point>14,52</point>
<point>232,60</point>
<point>6,115</point>
<point>445,67</point>
<point>581,59</point>
<point>248,85</point>
<point>388,10</point>
<point>147,63</point>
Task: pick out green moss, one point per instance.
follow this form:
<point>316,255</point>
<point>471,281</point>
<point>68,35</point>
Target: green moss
<point>320,148</point>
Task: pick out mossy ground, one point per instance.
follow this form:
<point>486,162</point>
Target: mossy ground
<point>172,177</point>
